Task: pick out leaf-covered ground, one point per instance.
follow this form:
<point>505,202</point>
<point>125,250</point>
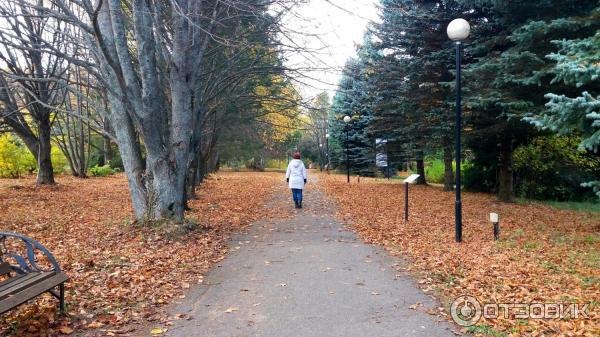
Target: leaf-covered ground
<point>545,255</point>
<point>121,274</point>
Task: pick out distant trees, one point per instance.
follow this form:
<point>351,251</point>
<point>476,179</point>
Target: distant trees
<point>353,99</point>
<point>518,52</point>
<point>318,124</point>
<point>29,78</point>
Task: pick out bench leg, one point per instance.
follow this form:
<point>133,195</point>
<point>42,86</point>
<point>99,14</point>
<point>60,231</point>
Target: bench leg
<point>62,298</point>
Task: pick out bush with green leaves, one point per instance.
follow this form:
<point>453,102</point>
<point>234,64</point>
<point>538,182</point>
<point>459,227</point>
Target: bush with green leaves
<point>15,159</point>
<point>102,171</point>
<point>434,171</point>
<point>60,163</point>
<point>552,168</point>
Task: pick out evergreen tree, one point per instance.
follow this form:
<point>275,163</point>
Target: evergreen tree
<point>352,99</point>
<point>414,109</point>
<point>578,66</point>
<point>511,75</point>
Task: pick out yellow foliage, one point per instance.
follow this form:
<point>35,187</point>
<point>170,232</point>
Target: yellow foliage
<point>279,110</point>
<point>15,159</point>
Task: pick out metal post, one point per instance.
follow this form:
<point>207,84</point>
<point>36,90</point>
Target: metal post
<point>62,298</point>
<point>458,205</point>
<point>327,153</point>
<point>347,158</point>
<point>496,231</point>
<point>405,201</point>
<point>321,156</point>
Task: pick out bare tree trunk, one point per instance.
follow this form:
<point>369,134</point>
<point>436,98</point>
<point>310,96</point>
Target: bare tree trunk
<point>133,164</point>
<point>45,174</point>
<point>505,170</point>
<point>420,168</point>
<point>448,172</point>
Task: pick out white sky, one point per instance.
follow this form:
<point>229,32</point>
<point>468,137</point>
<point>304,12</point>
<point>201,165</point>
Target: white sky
<point>330,29</point>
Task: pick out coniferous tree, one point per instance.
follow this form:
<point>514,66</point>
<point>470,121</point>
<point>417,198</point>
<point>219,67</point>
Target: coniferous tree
<point>352,100</point>
<point>414,108</point>
<point>511,75</point>
<point>578,66</point>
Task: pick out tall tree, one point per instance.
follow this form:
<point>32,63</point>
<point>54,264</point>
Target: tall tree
<point>356,145</point>
<point>318,118</point>
<point>414,106</point>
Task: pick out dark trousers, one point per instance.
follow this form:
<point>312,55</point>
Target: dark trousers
<point>297,194</point>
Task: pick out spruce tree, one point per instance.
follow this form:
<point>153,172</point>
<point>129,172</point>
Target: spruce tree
<point>511,74</point>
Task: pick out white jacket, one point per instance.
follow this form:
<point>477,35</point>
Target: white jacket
<point>296,173</point>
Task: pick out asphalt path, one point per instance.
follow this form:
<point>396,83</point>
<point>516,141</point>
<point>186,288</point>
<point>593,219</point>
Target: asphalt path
<point>306,275</point>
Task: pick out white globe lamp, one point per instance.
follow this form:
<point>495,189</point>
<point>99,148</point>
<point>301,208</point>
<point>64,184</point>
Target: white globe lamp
<point>458,30</point>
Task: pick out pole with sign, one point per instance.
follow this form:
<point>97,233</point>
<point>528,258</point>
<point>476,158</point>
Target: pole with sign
<point>411,179</point>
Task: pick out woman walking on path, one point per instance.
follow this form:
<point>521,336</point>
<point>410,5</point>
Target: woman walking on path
<point>296,177</point>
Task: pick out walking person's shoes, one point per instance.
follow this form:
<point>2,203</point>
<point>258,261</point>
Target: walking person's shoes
<point>299,204</point>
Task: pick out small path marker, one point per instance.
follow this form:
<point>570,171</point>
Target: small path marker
<point>411,179</point>
<point>494,219</point>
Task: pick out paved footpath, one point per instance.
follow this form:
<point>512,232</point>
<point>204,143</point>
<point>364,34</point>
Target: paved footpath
<point>306,276</point>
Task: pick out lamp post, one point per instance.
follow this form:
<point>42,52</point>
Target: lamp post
<point>327,151</point>
<point>458,30</point>
<point>347,120</point>
<point>321,156</point>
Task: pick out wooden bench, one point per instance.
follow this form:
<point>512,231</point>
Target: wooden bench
<point>25,279</point>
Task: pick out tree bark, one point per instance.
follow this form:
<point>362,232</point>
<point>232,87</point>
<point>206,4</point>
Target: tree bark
<point>420,168</point>
<point>45,174</point>
<point>505,170</point>
<point>448,171</point>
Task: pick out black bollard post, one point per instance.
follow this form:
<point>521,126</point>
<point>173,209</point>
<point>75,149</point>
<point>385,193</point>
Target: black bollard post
<point>494,219</point>
<point>405,201</point>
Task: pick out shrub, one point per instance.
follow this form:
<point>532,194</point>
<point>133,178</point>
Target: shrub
<point>59,161</point>
<point>102,171</point>
<point>255,165</point>
<point>276,164</point>
<point>477,177</point>
<point>551,167</point>
<point>434,171</point>
<point>15,159</point>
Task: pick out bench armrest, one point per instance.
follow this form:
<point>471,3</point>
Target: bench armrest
<point>26,264</point>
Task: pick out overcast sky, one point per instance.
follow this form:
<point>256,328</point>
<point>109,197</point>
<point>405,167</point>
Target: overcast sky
<point>330,29</point>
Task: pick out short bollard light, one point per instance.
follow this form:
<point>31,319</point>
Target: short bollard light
<point>496,222</point>
<point>411,179</point>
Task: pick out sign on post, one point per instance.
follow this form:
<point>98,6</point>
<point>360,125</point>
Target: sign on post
<point>411,179</point>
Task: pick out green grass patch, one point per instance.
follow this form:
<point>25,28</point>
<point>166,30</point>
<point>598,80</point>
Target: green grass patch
<point>588,281</point>
<point>581,206</point>
<point>550,266</point>
<point>519,233</point>
<point>531,245</point>
<point>506,244</point>
<point>486,330</point>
